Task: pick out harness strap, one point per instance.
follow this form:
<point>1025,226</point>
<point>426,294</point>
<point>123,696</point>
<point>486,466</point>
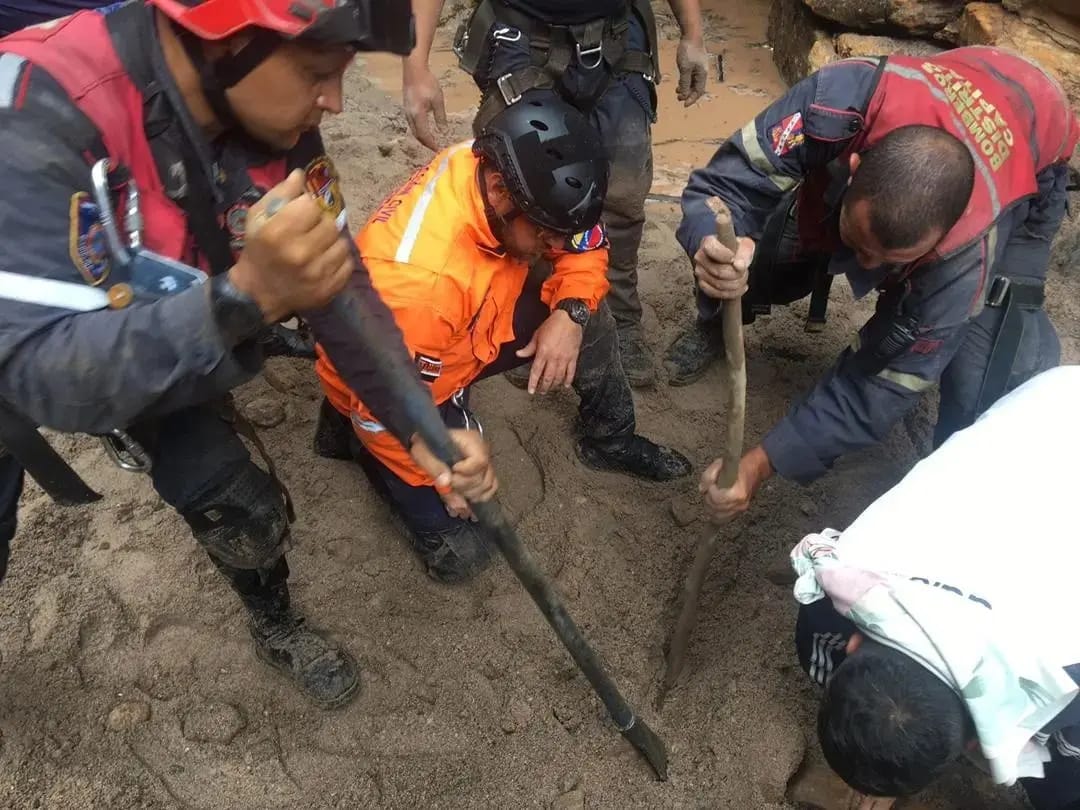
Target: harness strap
<point>819,297</point>
<point>553,48</point>
<point>240,423</point>
<point>1016,296</point>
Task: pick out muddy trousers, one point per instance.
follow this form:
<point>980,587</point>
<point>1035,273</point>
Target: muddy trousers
<point>203,470</point>
<point>1059,789</point>
<point>622,108</point>
<point>606,410</point>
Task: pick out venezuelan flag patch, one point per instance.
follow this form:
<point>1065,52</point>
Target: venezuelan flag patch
<point>592,239</point>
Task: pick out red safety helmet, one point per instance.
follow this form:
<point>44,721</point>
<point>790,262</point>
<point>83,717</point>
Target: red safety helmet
<point>368,25</point>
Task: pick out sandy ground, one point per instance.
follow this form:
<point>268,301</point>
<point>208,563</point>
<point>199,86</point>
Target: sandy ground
<point>127,675</point>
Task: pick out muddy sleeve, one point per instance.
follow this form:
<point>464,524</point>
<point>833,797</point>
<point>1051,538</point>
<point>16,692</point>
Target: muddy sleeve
<point>87,371</point>
<point>806,129</point>
<point>577,274</point>
<point>358,365</point>
<point>900,353</point>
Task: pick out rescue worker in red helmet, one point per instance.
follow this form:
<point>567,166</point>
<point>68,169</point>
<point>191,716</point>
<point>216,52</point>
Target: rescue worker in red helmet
<point>938,182</point>
<point>193,127</point>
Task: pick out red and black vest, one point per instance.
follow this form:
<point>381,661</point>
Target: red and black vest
<point>79,53</point>
<point>1013,116</point>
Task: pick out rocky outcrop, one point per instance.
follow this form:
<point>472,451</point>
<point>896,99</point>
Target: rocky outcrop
<point>799,40</point>
<point>848,45</point>
<point>914,17</point>
<point>807,34</point>
<point>1054,46</point>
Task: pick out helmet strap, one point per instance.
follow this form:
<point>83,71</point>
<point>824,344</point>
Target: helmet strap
<point>221,74</point>
<point>499,223</point>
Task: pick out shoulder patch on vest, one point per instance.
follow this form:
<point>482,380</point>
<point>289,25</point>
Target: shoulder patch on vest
<point>86,241</point>
<point>787,135</point>
<point>430,368</point>
<point>323,183</point>
<point>592,239</point>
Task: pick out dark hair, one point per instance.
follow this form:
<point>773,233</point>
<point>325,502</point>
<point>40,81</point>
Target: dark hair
<point>917,178</point>
<point>887,725</point>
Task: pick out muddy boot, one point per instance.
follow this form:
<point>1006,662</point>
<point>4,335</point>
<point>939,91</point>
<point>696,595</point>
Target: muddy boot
<point>692,352</point>
<point>637,362</point>
<point>281,341</point>
<point>519,376</point>
<point>455,554</point>
<point>333,433</point>
<point>322,671</point>
<point>633,455</point>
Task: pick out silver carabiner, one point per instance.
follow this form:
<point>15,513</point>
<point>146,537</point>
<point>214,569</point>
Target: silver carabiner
<point>471,422</point>
<point>99,182</point>
<point>125,452</point>
<point>598,50</point>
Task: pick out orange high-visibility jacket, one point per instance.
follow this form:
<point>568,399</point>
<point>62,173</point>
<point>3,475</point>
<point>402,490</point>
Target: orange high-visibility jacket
<point>452,289</point>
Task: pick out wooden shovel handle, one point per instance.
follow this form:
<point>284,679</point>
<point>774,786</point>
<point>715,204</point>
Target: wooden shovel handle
<point>734,354</point>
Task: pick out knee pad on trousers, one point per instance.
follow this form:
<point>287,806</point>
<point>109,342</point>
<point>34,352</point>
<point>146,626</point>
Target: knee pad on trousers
<point>243,523</point>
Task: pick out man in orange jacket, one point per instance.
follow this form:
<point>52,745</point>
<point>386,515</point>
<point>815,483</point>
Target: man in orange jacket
<point>450,254</point>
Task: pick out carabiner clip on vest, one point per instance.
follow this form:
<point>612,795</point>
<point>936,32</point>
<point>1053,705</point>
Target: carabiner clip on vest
<point>125,452</point>
<point>140,273</point>
<point>457,399</point>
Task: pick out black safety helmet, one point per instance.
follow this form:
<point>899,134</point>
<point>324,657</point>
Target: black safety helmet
<point>551,160</point>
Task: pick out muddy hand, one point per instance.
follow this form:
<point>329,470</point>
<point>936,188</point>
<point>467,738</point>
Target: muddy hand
<point>422,96</point>
<point>724,503</point>
<point>472,478</point>
<point>721,273</point>
<point>293,258</point>
<point>554,347</point>
<point>693,62</point>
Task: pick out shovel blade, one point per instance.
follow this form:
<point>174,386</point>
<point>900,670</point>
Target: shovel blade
<point>645,740</point>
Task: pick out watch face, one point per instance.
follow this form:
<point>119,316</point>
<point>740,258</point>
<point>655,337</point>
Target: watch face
<point>578,312</point>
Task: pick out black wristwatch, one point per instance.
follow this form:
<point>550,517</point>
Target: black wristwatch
<point>576,309</point>
<point>236,314</point>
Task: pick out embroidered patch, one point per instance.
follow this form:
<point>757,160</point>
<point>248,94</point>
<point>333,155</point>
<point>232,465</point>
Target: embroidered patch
<point>323,182</point>
<point>592,239</point>
<point>430,368</point>
<point>86,240</point>
<point>786,135</point>
<point>236,217</point>
<point>366,425</point>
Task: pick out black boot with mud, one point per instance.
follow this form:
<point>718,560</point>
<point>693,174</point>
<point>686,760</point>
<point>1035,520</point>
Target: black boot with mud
<point>322,671</point>
<point>456,554</point>
<point>633,455</point>
<point>281,341</point>
<point>637,362</point>
<point>333,433</point>
<point>693,351</point>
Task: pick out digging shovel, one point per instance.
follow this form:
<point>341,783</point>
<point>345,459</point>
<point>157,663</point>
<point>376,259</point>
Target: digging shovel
<point>735,357</point>
<point>417,403</point>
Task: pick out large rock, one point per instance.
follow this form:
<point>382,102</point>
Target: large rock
<point>799,40</point>
<point>1055,24</point>
<point>849,45</point>
<point>889,16</point>
<point>1066,8</point>
<point>990,24</point>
